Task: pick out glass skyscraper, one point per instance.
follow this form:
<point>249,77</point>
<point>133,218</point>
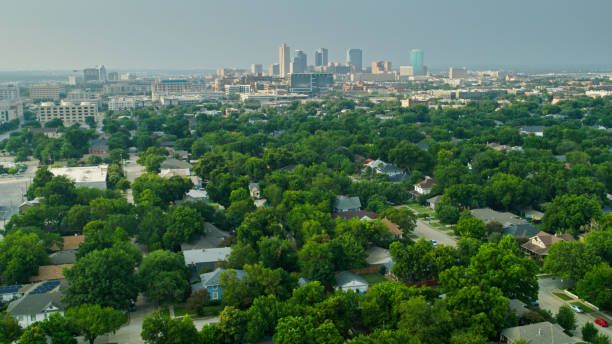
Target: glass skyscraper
<point>354,57</point>
<point>416,61</point>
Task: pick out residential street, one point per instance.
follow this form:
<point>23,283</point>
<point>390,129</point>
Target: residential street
<point>552,303</point>
<point>425,230</point>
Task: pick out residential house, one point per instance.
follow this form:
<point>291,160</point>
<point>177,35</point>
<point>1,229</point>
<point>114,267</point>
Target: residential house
<point>537,130</point>
<point>424,187</point>
<point>346,281</point>
<point>362,215</point>
<point>11,292</point>
<point>208,257</point>
<point>518,307</point>
<point>433,201</point>
<point>50,272</point>
<point>541,333</point>
<point>534,215</point>
<point>394,173</point>
<point>378,256</point>
<point>393,229</point>
<point>99,146</point>
<point>174,167</point>
<point>538,245</point>
<point>36,307</point>
<point>196,195</point>
<point>69,243</point>
<point>511,224</point>
<point>211,282</point>
<point>345,203</point>
<point>29,204</point>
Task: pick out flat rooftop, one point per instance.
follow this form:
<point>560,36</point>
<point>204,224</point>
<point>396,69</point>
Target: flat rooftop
<point>82,174</point>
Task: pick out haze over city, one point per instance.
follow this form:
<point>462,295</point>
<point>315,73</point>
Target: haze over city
<point>153,34</point>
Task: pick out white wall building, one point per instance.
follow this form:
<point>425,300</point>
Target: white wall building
<point>10,111</point>
<point>9,93</point>
<point>68,112</point>
<point>90,176</point>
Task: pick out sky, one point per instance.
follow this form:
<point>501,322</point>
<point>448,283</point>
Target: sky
<point>209,34</point>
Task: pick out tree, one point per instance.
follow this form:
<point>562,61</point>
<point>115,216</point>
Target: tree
<point>413,262</point>
<point>232,324</point>
<point>292,330</point>
<point>261,318</point>
<point>589,332</point>
<point>103,277</point>
<point>164,277</point>
<point>159,328</point>
<point>566,318</point>
<point>567,213</point>
<point>183,224</point>
<point>600,242</point>
<point>33,335</point>
<point>10,330</point>
<point>60,329</point>
<point>471,227</point>
<point>241,254</point>
<point>77,217</point>
<point>507,191</point>
<point>94,320</point>
<point>58,191</point>
<point>403,217</point>
<point>570,260</point>
<point>20,256</point>
<point>596,286</point>
<point>198,300</point>
<point>428,323</point>
<point>316,262</point>
<point>447,213</point>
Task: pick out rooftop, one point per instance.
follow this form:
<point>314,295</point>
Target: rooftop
<point>345,202</point>
<point>35,303</point>
<point>211,279</point>
<point>208,255</point>
<point>489,215</point>
<point>50,272</point>
<point>71,242</point>
<point>541,333</point>
<point>82,174</point>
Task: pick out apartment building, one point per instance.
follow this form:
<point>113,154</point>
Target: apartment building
<point>69,113</point>
<point>46,91</point>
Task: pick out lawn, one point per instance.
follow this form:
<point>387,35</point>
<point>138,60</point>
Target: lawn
<point>421,209</point>
<point>179,311</point>
<point>562,296</point>
<point>373,278</point>
<point>585,308</point>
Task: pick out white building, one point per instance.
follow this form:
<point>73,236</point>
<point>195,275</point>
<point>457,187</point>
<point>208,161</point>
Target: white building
<point>35,307</point>
<point>233,89</point>
<point>124,103</point>
<point>10,111</point>
<point>68,112</point>
<point>171,87</point>
<point>46,91</point>
<point>90,176</point>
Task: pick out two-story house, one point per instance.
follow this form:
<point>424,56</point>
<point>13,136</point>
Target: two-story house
<point>424,187</point>
<point>211,282</point>
<point>35,307</point>
<point>538,245</point>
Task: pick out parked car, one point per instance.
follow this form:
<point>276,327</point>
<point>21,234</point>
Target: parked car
<point>601,322</point>
<point>576,309</point>
<point>534,303</point>
<point>434,243</point>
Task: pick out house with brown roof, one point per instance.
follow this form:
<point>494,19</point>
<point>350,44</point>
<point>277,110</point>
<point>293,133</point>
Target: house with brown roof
<point>50,272</point>
<point>538,245</point>
<point>424,186</point>
<point>70,242</point>
<point>394,229</point>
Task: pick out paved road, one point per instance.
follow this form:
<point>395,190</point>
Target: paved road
<point>13,188</point>
<point>552,303</point>
<point>425,230</point>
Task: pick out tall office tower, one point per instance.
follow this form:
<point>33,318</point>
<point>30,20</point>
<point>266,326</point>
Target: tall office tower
<point>90,74</point>
<point>416,61</point>
<point>257,69</point>
<point>274,69</point>
<point>284,60</point>
<point>380,67</point>
<point>300,62</point>
<point>321,57</point>
<point>354,57</point>
<point>101,73</point>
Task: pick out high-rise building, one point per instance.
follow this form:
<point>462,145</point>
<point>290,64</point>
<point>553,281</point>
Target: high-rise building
<point>380,67</point>
<point>310,83</point>
<point>10,110</point>
<point>300,62</point>
<point>90,74</point>
<point>284,60</point>
<point>406,71</point>
<point>321,57</point>
<point>256,69</point>
<point>354,57</point>
<point>46,91</point>
<point>67,112</point>
<point>9,93</point>
<point>274,69</point>
<point>101,73</point>
<point>113,76</point>
<point>416,61</point>
<point>457,73</point>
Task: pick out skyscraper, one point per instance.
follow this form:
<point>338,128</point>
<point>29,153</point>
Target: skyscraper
<point>256,69</point>
<point>274,69</point>
<point>299,62</point>
<point>416,61</point>
<point>354,57</point>
<point>321,57</point>
<point>284,59</point>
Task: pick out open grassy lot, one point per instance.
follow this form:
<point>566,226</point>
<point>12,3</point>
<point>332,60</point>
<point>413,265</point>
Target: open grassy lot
<point>374,278</point>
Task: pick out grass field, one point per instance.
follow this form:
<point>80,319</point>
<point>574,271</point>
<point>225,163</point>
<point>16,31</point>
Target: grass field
<point>179,311</point>
<point>584,307</point>
<point>373,278</point>
<point>562,296</point>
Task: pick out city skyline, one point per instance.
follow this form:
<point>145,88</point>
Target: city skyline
<point>132,35</point>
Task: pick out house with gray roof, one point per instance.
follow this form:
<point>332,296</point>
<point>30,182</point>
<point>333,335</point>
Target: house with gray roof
<point>511,224</point>
<point>537,130</point>
<point>541,333</point>
<point>36,307</point>
<point>205,257</point>
<point>346,280</point>
<point>345,203</point>
<point>211,281</point>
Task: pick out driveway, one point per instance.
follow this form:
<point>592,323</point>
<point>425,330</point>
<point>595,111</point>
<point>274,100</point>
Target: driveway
<point>552,303</point>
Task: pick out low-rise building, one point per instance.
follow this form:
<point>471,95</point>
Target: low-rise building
<point>424,187</point>
<point>50,272</point>
<point>210,257</point>
<point>345,203</point>
<point>90,176</point>
<point>538,245</point>
<point>36,307</point>
<point>511,224</point>
<point>46,91</point>
<point>211,281</point>
<point>541,333</point>
<point>346,281</point>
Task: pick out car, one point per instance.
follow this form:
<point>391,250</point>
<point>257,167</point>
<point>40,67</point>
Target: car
<point>534,303</point>
<point>576,309</point>
<point>601,322</point>
<point>434,243</point>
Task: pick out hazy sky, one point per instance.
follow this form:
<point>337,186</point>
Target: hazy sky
<point>142,34</point>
